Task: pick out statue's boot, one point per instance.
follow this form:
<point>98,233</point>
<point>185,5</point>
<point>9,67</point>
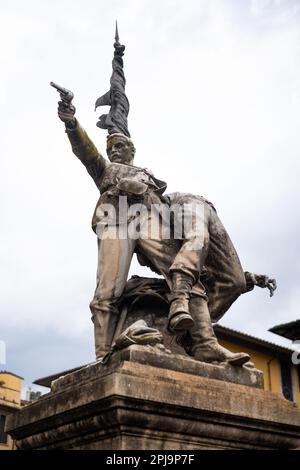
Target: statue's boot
<point>205,344</point>
<point>179,319</point>
<point>104,327</point>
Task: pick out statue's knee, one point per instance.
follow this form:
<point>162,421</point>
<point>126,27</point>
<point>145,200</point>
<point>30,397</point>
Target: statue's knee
<point>103,306</point>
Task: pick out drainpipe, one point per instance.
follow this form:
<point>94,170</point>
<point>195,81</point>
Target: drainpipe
<point>269,373</point>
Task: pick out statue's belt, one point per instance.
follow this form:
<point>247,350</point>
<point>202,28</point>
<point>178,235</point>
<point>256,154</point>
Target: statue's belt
<point>135,191</point>
<point>132,187</point>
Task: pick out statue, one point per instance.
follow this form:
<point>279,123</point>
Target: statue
<point>202,272</point>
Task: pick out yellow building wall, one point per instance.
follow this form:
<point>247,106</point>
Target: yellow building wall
<point>11,390</point>
<point>10,399</point>
<point>270,366</point>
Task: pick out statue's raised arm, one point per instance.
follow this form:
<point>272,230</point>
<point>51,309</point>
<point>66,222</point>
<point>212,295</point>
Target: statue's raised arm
<point>82,145</point>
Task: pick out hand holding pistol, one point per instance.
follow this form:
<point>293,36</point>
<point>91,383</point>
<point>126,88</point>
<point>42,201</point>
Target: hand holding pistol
<point>66,110</point>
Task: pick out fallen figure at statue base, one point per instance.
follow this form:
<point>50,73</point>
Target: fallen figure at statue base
<point>143,320</point>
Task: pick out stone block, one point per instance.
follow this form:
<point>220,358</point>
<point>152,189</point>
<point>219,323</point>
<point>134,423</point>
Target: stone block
<point>145,399</point>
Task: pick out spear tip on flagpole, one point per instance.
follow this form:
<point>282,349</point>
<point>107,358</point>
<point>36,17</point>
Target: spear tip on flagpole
<point>117,33</point>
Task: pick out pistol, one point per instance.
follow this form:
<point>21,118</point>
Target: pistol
<point>66,95</point>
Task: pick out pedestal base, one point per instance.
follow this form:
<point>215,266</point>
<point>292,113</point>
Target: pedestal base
<point>144,399</point>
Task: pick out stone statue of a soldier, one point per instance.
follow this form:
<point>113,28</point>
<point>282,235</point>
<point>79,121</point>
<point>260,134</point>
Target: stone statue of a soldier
<point>181,262</point>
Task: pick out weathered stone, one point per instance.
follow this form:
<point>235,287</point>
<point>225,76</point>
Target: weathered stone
<point>134,402</point>
<point>159,357</point>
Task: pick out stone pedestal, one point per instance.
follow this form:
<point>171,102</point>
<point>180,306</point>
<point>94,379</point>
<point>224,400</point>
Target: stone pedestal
<point>147,399</point>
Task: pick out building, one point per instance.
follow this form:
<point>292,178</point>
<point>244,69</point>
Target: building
<point>31,396</point>
<point>280,374</point>
<point>10,402</point>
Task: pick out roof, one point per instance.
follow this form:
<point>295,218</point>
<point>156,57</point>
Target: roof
<point>245,339</point>
<point>289,330</point>
<point>46,381</point>
<point>9,407</point>
<point>11,373</point>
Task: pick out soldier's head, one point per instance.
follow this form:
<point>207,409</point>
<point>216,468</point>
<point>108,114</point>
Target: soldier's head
<point>120,149</point>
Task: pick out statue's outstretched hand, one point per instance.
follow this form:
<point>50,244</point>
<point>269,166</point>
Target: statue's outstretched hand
<point>272,286</point>
<point>66,112</point>
<point>263,281</point>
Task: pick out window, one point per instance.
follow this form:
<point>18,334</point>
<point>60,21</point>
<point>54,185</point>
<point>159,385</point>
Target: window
<point>3,435</point>
<point>286,380</point>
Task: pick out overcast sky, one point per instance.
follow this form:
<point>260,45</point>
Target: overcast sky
<point>214,87</point>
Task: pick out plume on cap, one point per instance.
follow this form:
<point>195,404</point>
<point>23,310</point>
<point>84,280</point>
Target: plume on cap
<point>116,120</point>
